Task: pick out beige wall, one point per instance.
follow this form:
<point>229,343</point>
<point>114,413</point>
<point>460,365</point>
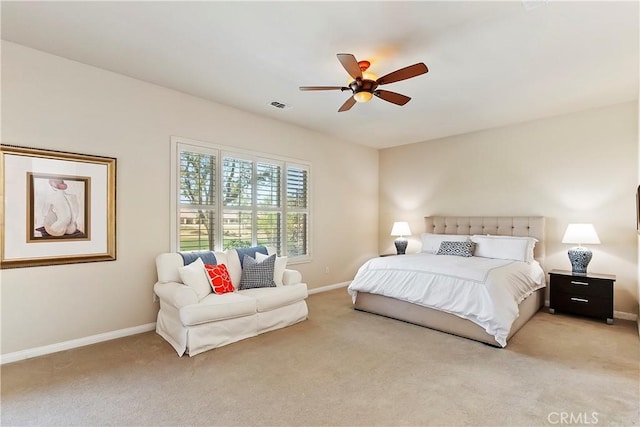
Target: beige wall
<point>581,167</point>
<point>52,103</point>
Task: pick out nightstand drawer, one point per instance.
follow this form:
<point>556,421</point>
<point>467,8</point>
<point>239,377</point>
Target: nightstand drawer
<point>587,286</point>
<point>582,304</point>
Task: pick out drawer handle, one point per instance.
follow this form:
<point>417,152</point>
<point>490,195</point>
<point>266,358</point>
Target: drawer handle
<point>579,283</point>
<point>579,299</point>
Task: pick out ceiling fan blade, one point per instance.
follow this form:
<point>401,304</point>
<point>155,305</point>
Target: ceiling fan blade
<point>323,88</point>
<point>350,102</point>
<point>350,64</point>
<point>403,73</point>
<point>395,98</point>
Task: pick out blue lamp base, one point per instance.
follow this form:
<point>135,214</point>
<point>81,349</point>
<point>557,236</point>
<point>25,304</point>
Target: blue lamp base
<point>401,245</point>
<point>580,258</point>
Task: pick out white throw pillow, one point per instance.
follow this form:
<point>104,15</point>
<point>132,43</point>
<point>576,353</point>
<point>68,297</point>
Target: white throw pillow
<point>280,266</point>
<point>431,242</point>
<point>195,276</point>
<point>221,258</point>
<point>505,247</point>
<point>233,265</point>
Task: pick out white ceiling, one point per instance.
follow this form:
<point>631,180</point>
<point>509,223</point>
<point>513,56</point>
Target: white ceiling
<point>491,63</point>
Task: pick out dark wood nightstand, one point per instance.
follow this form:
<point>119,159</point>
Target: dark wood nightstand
<point>585,294</point>
<point>390,254</point>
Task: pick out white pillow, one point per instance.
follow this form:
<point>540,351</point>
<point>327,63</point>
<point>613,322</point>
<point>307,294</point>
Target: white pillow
<point>278,270</point>
<point>505,247</point>
<point>532,244</point>
<point>221,258</point>
<point>233,265</point>
<point>431,242</point>
<point>195,276</point>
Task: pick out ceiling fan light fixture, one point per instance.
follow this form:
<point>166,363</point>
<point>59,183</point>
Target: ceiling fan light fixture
<point>367,75</point>
<point>363,84</point>
<point>363,96</point>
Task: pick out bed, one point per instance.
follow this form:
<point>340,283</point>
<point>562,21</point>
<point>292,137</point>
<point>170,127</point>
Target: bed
<point>370,295</point>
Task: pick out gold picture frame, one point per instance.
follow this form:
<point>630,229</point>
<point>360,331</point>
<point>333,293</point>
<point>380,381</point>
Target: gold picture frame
<point>56,207</point>
<point>638,209</point>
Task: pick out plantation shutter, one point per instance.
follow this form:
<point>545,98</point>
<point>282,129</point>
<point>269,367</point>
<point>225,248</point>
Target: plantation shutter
<point>226,199</point>
<point>198,205</point>
<point>269,205</point>
<point>237,201</point>
<point>297,211</point>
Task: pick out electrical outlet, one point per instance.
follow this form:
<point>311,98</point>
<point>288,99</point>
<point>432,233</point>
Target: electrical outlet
<point>326,270</point>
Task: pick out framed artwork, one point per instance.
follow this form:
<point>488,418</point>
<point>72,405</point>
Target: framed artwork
<point>56,207</point>
<point>638,209</point>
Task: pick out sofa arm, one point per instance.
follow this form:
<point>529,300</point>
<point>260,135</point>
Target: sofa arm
<point>175,294</point>
<point>291,277</point>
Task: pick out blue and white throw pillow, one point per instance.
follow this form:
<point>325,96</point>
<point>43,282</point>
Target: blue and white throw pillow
<point>457,248</point>
<point>257,274</point>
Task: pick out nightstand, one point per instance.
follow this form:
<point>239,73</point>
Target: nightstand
<point>390,254</point>
<point>585,294</point>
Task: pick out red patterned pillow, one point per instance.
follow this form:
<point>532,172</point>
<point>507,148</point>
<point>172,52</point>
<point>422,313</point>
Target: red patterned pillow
<point>219,278</point>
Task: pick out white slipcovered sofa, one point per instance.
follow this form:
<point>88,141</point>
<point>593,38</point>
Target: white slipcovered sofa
<point>192,322</point>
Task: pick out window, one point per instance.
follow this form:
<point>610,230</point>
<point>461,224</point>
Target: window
<point>228,199</point>
<point>297,210</point>
<point>197,219</point>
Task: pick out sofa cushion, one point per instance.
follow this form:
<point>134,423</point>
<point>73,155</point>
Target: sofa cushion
<point>195,276</point>
<point>271,298</point>
<point>257,274</point>
<point>219,279</point>
<point>167,265</point>
<point>215,307</point>
<point>278,269</point>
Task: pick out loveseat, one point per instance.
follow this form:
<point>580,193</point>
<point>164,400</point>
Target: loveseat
<point>193,319</point>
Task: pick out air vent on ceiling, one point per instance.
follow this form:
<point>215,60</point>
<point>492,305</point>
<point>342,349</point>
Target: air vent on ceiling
<point>279,105</point>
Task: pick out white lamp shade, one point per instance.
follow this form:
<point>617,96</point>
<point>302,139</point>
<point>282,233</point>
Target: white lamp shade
<point>400,228</point>
<point>581,234</point>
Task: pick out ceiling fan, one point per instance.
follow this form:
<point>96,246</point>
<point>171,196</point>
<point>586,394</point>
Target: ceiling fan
<point>364,84</point>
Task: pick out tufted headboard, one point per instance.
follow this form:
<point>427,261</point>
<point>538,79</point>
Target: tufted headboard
<point>527,226</point>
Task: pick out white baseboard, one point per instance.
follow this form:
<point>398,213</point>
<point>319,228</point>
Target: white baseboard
<point>624,315</point>
<point>80,342</point>
<point>328,288</point>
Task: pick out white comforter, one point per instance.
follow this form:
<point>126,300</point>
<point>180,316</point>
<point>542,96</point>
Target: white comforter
<point>485,291</point>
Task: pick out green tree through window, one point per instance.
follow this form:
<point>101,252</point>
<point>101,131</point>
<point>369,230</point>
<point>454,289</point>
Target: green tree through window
<point>229,200</point>
<point>197,201</point>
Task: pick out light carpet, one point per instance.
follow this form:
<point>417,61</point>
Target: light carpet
<point>340,368</point>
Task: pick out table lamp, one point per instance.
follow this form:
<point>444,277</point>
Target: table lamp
<point>580,256</point>
<point>401,229</point>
